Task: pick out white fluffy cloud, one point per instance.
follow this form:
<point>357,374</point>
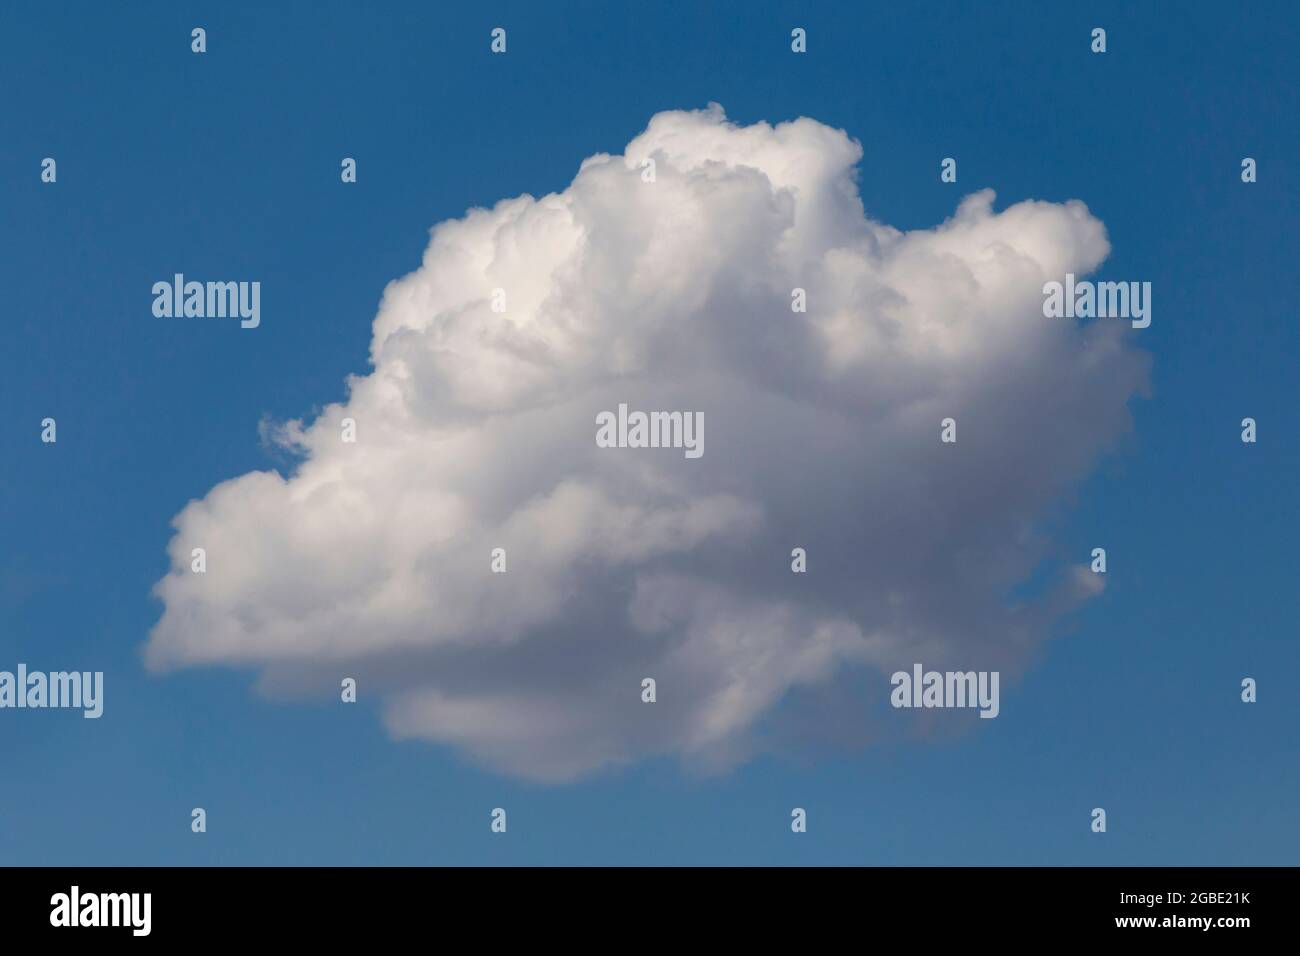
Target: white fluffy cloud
<point>476,430</point>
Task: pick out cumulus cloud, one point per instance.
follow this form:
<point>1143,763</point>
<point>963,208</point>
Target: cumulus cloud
<point>476,430</point>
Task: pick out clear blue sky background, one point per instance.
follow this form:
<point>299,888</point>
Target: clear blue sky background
<point>227,165</point>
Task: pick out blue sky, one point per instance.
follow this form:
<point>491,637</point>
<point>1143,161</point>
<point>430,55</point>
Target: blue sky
<point>226,164</point>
